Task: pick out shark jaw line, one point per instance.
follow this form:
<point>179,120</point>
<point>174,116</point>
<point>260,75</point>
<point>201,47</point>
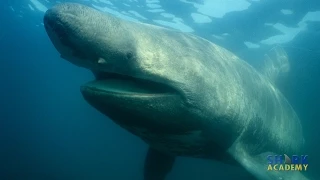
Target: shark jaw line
<point>124,85</point>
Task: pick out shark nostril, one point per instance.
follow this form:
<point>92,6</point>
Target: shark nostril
<point>61,32</point>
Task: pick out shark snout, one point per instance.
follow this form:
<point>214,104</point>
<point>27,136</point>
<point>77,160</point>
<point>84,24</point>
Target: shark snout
<point>67,29</point>
<point>53,25</point>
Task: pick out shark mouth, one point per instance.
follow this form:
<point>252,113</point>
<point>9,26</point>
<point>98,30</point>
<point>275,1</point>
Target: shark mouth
<point>113,83</point>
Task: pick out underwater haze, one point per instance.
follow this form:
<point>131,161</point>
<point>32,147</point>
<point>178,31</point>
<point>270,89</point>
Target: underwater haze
<point>49,132</point>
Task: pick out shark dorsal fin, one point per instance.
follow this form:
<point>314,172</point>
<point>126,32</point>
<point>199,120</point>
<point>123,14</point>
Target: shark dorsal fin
<point>276,64</point>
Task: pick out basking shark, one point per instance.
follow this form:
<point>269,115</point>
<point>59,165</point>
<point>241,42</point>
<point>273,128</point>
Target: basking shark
<point>181,94</point>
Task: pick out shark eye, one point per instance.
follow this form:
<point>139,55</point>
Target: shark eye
<point>102,61</point>
<point>129,55</point>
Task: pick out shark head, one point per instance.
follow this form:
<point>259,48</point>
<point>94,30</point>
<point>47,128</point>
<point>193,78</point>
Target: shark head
<point>145,76</point>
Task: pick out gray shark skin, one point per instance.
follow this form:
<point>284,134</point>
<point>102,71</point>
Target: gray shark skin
<point>181,94</point>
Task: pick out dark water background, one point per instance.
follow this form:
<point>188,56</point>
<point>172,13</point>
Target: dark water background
<point>47,130</point>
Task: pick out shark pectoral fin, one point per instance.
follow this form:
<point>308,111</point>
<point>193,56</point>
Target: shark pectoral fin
<point>157,165</point>
<point>257,165</point>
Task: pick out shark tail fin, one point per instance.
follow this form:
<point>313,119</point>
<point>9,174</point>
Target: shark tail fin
<point>276,64</point>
